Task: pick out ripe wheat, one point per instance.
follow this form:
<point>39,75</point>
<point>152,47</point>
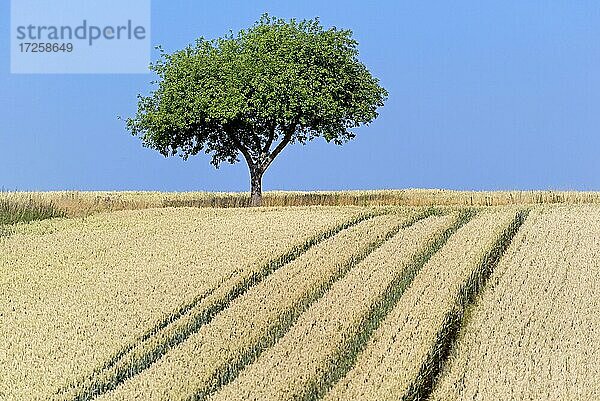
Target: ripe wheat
<point>254,321</point>
<point>76,291</point>
<point>299,362</point>
<point>396,364</point>
<point>77,203</point>
<point>534,333</point>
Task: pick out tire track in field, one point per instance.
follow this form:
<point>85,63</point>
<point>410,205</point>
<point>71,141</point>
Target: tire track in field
<point>432,367</point>
<point>348,357</point>
<point>187,320</point>
<point>400,354</point>
<point>226,376</point>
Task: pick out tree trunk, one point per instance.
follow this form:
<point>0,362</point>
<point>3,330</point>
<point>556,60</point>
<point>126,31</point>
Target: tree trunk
<point>256,186</point>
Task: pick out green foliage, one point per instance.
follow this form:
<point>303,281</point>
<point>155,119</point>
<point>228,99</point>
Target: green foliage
<point>254,92</point>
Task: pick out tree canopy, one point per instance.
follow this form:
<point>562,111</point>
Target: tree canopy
<point>254,92</point>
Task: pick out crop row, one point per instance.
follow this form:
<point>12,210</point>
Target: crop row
<point>299,304</point>
<point>403,355</point>
<point>253,322</point>
<point>534,333</point>
<point>188,319</point>
<point>298,365</point>
<point>76,291</point>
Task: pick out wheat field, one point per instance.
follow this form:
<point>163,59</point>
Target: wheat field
<point>146,301</point>
<point>535,332</point>
<point>119,275</point>
<point>82,203</point>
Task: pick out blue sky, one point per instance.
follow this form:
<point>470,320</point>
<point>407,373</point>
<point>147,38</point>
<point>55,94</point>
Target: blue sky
<point>484,95</point>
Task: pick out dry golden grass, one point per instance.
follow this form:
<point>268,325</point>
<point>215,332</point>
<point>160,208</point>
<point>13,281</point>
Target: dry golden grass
<point>307,303</point>
<point>298,364</point>
<point>534,333</point>
<point>76,203</point>
<point>75,291</point>
<point>395,363</point>
<point>254,321</point>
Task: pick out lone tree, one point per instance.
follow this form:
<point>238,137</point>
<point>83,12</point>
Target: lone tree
<point>276,83</point>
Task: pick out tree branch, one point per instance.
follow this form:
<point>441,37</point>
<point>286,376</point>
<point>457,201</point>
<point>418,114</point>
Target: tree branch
<point>256,140</point>
<point>270,140</point>
<point>241,148</point>
<point>284,142</point>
